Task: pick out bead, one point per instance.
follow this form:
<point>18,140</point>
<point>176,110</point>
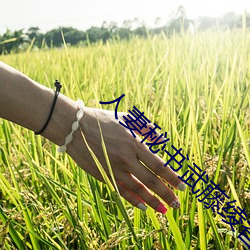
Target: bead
<point>69,138</point>
<point>79,114</point>
<point>62,149</point>
<point>75,126</point>
<point>80,104</point>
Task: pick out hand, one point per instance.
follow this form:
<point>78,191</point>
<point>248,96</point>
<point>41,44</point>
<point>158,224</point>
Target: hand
<point>127,156</point>
<point>21,98</point>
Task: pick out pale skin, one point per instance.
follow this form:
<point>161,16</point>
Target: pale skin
<point>28,103</point>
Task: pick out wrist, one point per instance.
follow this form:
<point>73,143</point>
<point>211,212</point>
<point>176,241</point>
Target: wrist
<point>61,121</point>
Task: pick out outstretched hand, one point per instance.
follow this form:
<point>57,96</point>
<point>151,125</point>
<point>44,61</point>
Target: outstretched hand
<point>137,171</point>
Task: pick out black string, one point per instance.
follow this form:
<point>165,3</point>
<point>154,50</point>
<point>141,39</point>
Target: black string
<point>58,87</point>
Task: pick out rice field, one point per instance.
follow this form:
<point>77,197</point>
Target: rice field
<point>195,87</point>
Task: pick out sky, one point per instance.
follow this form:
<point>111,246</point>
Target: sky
<point>81,14</point>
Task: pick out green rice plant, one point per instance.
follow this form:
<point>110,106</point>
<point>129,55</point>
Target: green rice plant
<point>195,87</point>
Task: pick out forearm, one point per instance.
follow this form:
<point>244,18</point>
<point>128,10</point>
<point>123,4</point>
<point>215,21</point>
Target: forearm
<point>27,103</point>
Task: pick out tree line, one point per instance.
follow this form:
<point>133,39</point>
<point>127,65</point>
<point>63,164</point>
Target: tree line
<point>20,40</point>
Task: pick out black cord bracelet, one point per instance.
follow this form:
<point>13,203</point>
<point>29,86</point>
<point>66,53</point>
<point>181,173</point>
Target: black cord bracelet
<point>58,87</point>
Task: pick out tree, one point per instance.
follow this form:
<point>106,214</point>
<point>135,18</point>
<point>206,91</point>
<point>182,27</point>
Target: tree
<point>34,33</point>
<point>157,22</point>
<point>127,24</point>
<point>71,35</point>
<point>180,22</point>
<point>113,26</point>
<point>13,41</point>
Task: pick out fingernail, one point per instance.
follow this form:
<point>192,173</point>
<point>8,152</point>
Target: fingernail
<point>161,208</point>
<point>182,186</point>
<point>142,206</point>
<point>175,204</point>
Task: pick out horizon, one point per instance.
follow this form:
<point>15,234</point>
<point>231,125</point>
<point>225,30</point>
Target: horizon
<point>76,15</point>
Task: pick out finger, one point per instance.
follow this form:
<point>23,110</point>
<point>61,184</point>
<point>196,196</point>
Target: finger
<point>155,134</point>
<point>139,190</point>
<point>156,164</point>
<point>131,197</point>
<point>142,180</point>
<point>144,130</point>
<point>154,183</point>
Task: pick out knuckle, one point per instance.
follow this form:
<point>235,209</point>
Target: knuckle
<point>167,196</point>
<point>137,188</point>
<point>159,168</point>
<point>122,189</point>
<point>152,202</point>
<point>138,140</point>
<point>121,158</point>
<point>121,114</point>
<point>131,142</point>
<point>151,182</point>
<point>142,149</point>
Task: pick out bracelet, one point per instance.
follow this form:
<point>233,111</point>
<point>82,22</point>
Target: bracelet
<point>58,87</point>
<point>74,127</point>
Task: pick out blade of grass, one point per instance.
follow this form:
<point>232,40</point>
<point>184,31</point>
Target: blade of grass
<point>175,231</point>
<point>115,195</point>
<point>12,231</point>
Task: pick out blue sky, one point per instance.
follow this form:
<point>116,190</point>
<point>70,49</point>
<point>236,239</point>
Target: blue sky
<point>81,14</point>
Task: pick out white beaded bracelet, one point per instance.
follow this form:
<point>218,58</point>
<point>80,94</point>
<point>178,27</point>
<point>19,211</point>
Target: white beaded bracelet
<point>74,127</point>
